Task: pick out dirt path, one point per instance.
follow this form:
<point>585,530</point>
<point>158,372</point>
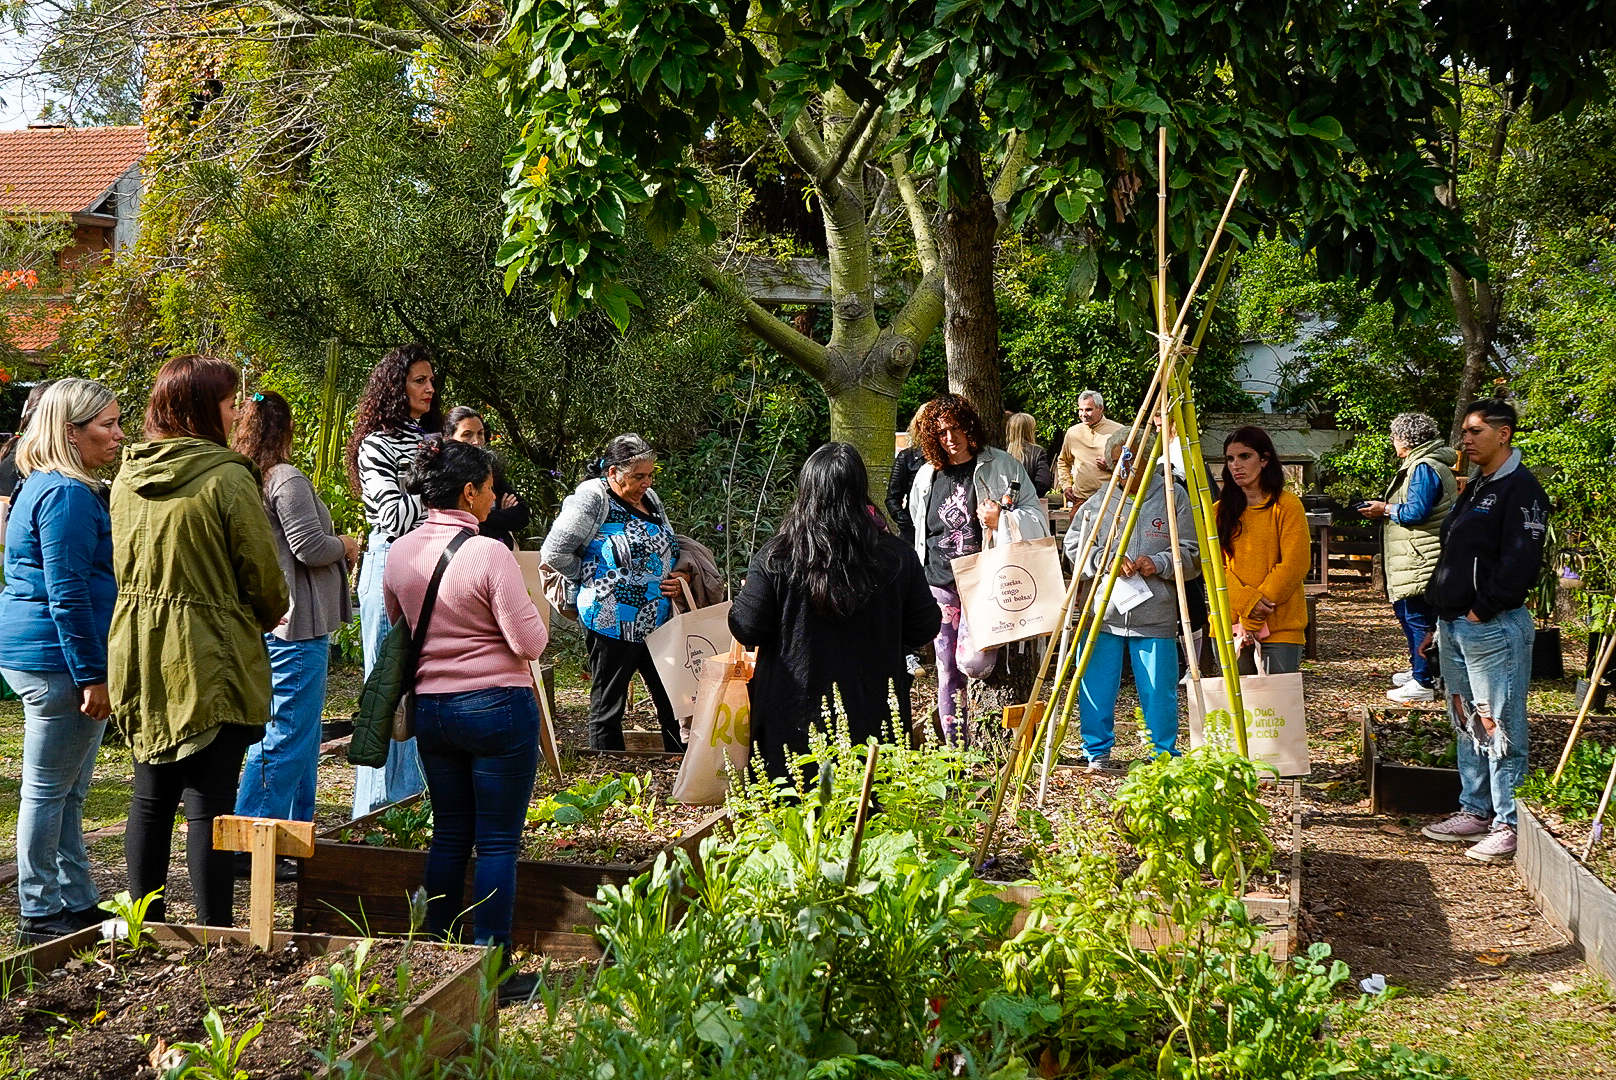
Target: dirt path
<point>1489,982</point>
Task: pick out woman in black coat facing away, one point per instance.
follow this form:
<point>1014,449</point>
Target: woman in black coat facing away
<point>833,600</point>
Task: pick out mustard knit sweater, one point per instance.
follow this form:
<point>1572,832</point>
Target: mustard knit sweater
<point>1272,555</point>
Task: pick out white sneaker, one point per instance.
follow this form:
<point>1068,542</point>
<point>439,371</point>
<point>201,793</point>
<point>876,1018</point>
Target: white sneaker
<point>1410,692</point>
<point>1401,677</point>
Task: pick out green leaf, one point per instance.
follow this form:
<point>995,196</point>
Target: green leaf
<point>566,814</point>
<point>641,67</point>
<point>713,1024</point>
<point>1127,133</point>
<point>1325,127</point>
<point>1071,206</point>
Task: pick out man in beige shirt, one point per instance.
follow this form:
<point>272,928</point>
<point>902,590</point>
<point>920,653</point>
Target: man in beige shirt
<point>1081,469</point>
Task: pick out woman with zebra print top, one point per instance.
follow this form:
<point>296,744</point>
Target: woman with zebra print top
<point>396,413</point>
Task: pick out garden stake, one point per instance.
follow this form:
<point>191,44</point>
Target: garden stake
<point>265,838</point>
<point>1599,814</point>
<point>1587,704</point>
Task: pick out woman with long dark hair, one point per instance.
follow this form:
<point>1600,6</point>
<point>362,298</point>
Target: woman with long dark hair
<point>476,717</point>
<point>1262,529</point>
<point>396,413</point>
<point>279,778</point>
<point>833,602</point>
<point>199,585</point>
<point>510,514</point>
<point>612,541</point>
<point>10,474</point>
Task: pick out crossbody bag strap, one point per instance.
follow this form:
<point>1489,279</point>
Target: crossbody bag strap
<point>431,599</point>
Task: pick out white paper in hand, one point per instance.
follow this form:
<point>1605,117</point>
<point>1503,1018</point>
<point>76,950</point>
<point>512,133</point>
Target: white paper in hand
<point>1128,594</point>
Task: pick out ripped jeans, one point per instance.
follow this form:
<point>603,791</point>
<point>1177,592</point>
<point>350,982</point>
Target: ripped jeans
<point>957,660</point>
<point>1487,669</point>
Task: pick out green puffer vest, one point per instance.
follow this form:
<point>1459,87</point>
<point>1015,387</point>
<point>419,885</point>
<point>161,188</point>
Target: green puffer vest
<point>1411,550</point>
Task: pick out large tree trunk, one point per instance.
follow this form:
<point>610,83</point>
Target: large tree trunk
<point>965,244</point>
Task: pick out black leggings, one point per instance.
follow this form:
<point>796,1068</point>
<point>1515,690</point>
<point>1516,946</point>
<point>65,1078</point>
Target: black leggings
<point>206,782</point>
<point>612,664</point>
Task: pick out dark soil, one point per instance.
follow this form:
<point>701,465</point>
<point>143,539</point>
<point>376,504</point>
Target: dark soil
<point>1424,736</point>
<point>1572,833</point>
<point>119,1015</point>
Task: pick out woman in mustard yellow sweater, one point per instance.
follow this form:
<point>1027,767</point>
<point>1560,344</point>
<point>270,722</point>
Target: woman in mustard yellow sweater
<point>1266,552</point>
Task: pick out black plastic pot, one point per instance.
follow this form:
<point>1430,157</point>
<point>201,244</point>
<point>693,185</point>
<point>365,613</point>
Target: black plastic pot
<point>1548,662</point>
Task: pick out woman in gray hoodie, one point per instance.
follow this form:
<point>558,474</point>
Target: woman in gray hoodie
<point>1141,619</point>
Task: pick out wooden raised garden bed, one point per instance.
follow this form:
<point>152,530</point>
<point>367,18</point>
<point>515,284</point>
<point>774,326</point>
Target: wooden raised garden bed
<point>117,1033</point>
<point>1405,789</point>
<point>1572,896</point>
<point>345,884</point>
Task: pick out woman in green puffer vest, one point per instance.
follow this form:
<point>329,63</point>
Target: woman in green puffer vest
<point>199,585</point>
<point>1415,506</point>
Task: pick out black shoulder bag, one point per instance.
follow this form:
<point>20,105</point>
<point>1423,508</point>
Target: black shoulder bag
<point>387,703</point>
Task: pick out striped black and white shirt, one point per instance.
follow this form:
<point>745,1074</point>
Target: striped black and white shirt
<point>384,461</point>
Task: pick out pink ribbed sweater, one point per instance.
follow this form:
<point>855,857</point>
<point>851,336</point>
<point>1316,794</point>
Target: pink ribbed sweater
<point>484,628</point>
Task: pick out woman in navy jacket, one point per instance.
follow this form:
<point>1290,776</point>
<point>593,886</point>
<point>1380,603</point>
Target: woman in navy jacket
<point>54,615</point>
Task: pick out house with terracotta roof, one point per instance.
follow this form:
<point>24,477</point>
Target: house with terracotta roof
<point>86,178</point>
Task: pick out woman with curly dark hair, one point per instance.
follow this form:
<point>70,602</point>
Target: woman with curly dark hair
<point>965,487</point>
<point>396,414</point>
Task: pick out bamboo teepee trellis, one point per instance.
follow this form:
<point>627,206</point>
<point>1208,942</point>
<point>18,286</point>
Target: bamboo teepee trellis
<point>1169,400</point>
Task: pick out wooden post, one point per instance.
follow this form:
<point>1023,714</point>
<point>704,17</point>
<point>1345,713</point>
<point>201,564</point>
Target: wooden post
<point>265,838</point>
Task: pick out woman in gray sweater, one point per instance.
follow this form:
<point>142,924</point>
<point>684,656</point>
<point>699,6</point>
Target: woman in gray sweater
<point>278,779</point>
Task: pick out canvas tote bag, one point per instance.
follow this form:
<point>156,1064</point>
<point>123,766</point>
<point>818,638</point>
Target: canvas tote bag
<point>1276,718</point>
<point>679,646</point>
<point>1013,591</point>
<point>721,730</point>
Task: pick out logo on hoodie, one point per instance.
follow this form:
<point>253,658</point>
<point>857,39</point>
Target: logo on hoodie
<point>1537,520</point>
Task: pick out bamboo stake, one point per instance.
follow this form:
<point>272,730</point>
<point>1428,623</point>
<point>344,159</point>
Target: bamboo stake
<point>1603,662</point>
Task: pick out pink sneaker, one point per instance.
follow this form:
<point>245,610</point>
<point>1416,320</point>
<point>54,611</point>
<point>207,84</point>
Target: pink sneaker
<point>1461,828</point>
<point>1499,847</point>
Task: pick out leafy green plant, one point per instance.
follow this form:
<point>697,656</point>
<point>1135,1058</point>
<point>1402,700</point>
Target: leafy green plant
<point>133,913</point>
<point>1577,795</point>
<point>407,825</point>
<point>220,1057</point>
<point>1199,811</point>
<point>585,802</point>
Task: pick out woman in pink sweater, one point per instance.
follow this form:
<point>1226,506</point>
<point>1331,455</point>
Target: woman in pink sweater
<point>476,719</point>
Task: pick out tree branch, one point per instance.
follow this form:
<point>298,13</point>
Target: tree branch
<point>800,349</point>
<point>435,21</point>
<point>864,121</point>
<point>925,235</point>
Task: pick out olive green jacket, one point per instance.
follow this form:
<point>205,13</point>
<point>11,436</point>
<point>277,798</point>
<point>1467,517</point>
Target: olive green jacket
<point>199,584</point>
<point>1411,551</point>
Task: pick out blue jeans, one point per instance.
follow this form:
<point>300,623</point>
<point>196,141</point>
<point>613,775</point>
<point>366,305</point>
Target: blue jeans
<point>480,750</point>
<point>278,778</point>
<point>1155,674</point>
<point>1488,668</point>
<point>401,776</point>
<point>1417,619</point>
<point>59,745</point>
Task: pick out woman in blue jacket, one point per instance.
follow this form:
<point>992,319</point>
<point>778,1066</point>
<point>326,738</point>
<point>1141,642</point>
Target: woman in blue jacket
<point>54,615</point>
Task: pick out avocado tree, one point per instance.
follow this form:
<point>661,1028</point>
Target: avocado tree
<point>1024,114</point>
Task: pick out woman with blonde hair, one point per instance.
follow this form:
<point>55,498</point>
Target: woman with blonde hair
<point>54,615</point>
<point>1021,443</point>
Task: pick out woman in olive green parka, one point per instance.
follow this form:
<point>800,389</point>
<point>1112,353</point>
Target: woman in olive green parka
<point>199,584</point>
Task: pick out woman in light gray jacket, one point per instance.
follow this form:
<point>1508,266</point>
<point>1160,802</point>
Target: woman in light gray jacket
<point>965,489</point>
<point>279,776</point>
<point>612,541</point>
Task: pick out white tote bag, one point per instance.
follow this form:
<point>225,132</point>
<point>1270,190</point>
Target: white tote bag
<point>1276,718</point>
<point>679,646</point>
<point>1012,591</point>
<point>720,732</point>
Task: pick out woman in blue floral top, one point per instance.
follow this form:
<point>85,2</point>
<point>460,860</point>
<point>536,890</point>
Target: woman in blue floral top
<point>612,540</point>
